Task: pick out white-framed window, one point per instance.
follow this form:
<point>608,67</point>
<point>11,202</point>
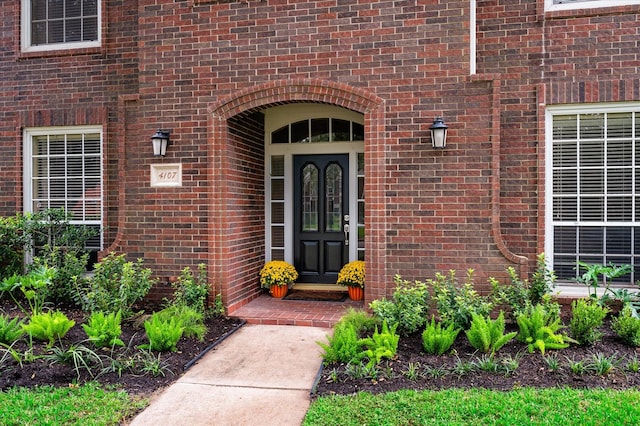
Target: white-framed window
<point>60,24</point>
<point>551,5</point>
<point>593,187</point>
<point>63,169</point>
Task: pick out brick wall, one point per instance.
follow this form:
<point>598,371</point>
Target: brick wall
<point>203,69</point>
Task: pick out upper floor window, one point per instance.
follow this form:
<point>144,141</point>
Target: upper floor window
<point>593,187</point>
<point>585,4</point>
<point>60,24</point>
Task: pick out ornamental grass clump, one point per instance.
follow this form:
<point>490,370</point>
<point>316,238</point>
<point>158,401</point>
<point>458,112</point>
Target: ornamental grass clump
<point>277,272</point>
<point>352,274</point>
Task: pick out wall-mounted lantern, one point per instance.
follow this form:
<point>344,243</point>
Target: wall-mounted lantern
<point>438,133</point>
<point>160,141</point>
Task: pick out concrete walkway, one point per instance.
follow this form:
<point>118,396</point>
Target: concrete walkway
<point>262,374</point>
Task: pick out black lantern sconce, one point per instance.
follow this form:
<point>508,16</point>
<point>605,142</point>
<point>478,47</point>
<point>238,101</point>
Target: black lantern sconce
<point>438,133</point>
<point>160,141</point>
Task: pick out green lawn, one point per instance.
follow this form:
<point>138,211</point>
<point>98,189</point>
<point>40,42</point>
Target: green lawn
<point>479,407</point>
<point>81,405</point>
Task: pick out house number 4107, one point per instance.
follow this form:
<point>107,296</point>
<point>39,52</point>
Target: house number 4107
<point>166,175</point>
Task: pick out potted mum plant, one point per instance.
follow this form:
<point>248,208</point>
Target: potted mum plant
<point>352,275</point>
<point>277,276</point>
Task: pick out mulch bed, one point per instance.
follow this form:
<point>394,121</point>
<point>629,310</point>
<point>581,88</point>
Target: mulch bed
<point>432,372</point>
<point>41,372</point>
<point>437,372</point>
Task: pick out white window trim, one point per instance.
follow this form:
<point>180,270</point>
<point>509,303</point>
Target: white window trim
<point>572,5</point>
<point>28,134</point>
<point>25,36</point>
<point>277,117</point>
<point>569,288</point>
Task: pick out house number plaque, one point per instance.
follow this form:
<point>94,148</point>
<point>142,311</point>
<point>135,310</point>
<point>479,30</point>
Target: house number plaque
<point>167,175</point>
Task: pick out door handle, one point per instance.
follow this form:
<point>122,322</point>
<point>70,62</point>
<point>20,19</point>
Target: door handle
<point>346,234</point>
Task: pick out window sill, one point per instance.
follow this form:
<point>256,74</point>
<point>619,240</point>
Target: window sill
<point>573,291</point>
<point>60,52</point>
<point>584,11</point>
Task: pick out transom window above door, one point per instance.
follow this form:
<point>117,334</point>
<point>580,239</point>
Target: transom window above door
<point>318,130</point>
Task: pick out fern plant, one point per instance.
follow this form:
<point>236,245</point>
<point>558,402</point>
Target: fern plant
<point>380,345</point>
<point>163,334</point>
<point>437,340</point>
<point>10,329</point>
<point>344,345</point>
<point>538,329</point>
<point>487,335</point>
<point>48,326</point>
<point>191,318</point>
<point>103,330</point>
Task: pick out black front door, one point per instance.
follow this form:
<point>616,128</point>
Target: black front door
<point>321,210</point>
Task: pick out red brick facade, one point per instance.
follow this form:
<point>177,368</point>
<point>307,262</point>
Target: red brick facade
<point>206,69</point>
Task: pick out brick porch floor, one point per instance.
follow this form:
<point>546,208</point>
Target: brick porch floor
<point>270,311</point>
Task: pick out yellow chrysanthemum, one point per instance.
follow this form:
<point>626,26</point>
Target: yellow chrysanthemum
<point>277,272</point>
<point>352,274</point>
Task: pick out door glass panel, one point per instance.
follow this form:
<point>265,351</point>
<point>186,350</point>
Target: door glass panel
<point>333,196</point>
<point>310,198</point>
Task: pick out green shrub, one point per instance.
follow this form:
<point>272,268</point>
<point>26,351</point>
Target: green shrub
<point>487,335</point>
<point>163,334</point>
<point>380,345</point>
<point>456,303</point>
<point>520,294</point>
<point>116,285</point>
<point>104,330</point>
<point>408,307</point>
<point>48,326</point>
<point>627,327</point>
<point>10,329</point>
<point>13,241</point>
<point>192,320</point>
<point>437,340</point>
<point>34,287</point>
<point>192,291</point>
<point>70,265</point>
<point>586,318</point>
<point>538,328</point>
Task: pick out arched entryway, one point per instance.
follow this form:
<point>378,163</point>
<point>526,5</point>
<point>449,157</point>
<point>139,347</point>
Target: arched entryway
<point>238,222</point>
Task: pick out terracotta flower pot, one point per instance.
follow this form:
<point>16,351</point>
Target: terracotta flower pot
<point>356,293</point>
<point>279,291</point>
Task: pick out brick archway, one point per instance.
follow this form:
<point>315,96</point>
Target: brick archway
<point>232,265</point>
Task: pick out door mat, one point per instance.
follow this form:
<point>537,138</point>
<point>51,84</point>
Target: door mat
<point>317,296</point>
